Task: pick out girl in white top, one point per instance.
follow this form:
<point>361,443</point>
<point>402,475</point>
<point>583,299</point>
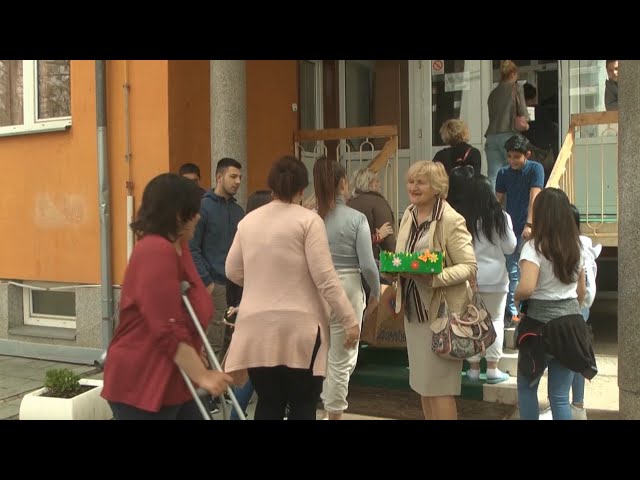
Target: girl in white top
<point>590,253</point>
<point>493,238</point>
<point>553,282</point>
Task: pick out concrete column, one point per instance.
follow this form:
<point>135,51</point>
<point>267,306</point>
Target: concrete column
<point>629,241</point>
<point>229,117</point>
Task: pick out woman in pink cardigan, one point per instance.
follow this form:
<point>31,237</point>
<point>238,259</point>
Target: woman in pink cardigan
<point>281,256</point>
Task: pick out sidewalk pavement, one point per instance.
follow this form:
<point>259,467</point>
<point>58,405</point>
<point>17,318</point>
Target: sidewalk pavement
<point>19,376</point>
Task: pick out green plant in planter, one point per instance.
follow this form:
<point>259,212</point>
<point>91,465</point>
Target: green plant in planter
<point>62,383</point>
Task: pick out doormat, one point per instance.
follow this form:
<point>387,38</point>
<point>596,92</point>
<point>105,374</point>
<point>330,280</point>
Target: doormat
<point>405,405</point>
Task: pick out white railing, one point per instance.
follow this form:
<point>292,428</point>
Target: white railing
<point>587,170</point>
<point>374,147</point>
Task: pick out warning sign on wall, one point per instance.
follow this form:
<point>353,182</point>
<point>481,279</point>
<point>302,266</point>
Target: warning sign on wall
<point>437,67</point>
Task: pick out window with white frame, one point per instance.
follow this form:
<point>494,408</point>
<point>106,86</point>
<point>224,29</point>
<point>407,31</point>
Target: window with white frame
<point>35,96</point>
<point>49,304</point>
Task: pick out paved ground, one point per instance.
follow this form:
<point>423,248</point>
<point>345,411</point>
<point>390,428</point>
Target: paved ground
<point>19,376</point>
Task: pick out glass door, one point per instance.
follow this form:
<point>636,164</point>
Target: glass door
<point>310,112</point>
<point>458,89</point>
<point>383,92</point>
<point>596,146</point>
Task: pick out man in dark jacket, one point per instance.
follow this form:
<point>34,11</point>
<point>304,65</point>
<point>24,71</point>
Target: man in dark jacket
<point>192,172</point>
<point>219,218</point>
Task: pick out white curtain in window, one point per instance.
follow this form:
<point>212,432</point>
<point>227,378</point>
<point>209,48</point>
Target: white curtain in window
<point>11,93</point>
<point>54,89</point>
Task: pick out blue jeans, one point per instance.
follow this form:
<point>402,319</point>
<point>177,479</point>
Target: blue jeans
<point>243,395</point>
<point>513,268</point>
<point>496,154</point>
<point>577,386</point>
<point>560,378</point>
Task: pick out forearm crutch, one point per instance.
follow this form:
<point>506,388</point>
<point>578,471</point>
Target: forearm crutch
<point>213,360</point>
<point>205,414</point>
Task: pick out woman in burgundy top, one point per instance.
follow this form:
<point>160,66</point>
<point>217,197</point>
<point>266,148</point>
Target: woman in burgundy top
<point>156,336</point>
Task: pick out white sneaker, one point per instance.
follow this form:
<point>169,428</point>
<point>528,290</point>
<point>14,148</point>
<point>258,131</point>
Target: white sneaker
<point>546,414</point>
<point>578,413</point>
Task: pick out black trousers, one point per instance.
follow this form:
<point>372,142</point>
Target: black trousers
<point>280,386</point>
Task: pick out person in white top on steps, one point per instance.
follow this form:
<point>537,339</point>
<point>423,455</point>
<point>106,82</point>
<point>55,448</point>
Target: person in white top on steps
<point>493,238</point>
<point>590,253</point>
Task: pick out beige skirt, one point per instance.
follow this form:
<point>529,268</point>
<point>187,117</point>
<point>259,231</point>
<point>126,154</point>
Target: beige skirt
<point>429,374</point>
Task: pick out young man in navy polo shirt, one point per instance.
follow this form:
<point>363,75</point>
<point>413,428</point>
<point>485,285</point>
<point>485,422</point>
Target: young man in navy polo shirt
<point>520,181</point>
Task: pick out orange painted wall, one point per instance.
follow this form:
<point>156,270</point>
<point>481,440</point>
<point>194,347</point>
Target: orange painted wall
<point>189,116</point>
<point>272,86</point>
<point>149,138</point>
<point>49,218</point>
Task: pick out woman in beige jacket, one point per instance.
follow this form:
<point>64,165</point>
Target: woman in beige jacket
<point>431,223</point>
<point>280,254</point>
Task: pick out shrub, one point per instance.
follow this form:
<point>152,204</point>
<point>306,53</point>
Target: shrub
<point>62,383</point>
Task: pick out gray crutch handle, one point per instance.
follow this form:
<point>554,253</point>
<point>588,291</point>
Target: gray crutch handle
<point>196,397</point>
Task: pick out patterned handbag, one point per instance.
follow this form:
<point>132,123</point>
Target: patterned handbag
<point>460,336</point>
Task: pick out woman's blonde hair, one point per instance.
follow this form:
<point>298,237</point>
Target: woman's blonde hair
<point>454,131</point>
<point>361,180</point>
<point>435,174</point>
<point>507,68</point>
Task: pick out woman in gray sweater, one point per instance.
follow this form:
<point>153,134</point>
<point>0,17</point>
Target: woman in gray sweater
<point>351,249</point>
<point>503,109</point>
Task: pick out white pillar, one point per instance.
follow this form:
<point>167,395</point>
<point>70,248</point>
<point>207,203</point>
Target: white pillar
<point>628,243</point>
<point>229,118</point>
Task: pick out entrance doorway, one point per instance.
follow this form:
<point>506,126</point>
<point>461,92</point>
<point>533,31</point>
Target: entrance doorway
<point>460,89</point>
<point>361,93</point>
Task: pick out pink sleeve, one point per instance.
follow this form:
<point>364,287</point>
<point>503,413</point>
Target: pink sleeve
<point>324,273</point>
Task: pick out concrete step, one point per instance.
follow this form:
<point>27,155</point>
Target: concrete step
<point>387,368</point>
<point>384,356</point>
<point>504,392</point>
<point>391,376</point>
<point>509,338</point>
<point>509,362</point>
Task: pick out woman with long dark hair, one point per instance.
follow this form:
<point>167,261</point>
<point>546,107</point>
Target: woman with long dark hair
<point>552,280</point>
<point>493,238</point>
<point>352,253</point>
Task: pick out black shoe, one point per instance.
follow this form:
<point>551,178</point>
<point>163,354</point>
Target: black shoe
<point>212,405</point>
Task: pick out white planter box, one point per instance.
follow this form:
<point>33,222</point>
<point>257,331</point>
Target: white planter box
<point>86,406</point>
